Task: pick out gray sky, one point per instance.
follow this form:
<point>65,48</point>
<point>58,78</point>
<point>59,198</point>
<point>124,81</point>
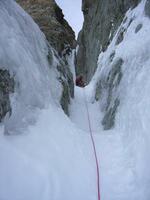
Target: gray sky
<point>73,13</point>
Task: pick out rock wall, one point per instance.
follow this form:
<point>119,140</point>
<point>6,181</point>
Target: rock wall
<point>49,16</point>
<point>65,76</point>
<point>101,20</point>
<point>7,85</point>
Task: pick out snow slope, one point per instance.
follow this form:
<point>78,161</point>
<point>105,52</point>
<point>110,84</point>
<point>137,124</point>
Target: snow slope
<point>56,161</point>
<point>78,111</point>
<point>120,165</point>
<point>53,159</point>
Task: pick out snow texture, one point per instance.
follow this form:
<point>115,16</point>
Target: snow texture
<point>53,159</point>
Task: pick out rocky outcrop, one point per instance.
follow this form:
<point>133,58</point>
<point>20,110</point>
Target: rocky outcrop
<point>49,16</point>
<point>110,85</point>
<point>6,87</point>
<point>65,77</point>
<point>147,8</point>
<point>101,20</point>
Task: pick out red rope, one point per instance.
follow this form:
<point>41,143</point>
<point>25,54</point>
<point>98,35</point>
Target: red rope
<point>94,149</point>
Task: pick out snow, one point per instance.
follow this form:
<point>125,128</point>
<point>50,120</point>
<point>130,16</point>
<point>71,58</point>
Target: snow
<point>57,162</point>
<point>119,169</point>
<point>78,108</point>
<point>53,158</point>
<point>47,161</point>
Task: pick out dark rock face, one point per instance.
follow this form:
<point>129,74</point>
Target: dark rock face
<point>110,85</point>
<point>147,8</point>
<point>66,79</point>
<point>6,87</point>
<point>120,36</point>
<point>113,80</point>
<point>48,15</point>
<point>101,20</point>
<point>108,121</point>
<point>138,28</point>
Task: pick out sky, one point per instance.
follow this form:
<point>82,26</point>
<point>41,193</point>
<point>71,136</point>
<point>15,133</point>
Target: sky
<point>73,13</point>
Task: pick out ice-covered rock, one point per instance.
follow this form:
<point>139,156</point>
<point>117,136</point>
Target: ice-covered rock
<point>6,88</point>
<point>121,80</point>
<point>50,18</point>
<point>31,68</point>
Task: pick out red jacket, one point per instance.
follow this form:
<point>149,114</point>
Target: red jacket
<point>79,81</point>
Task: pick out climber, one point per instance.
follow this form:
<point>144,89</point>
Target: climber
<point>80,81</point>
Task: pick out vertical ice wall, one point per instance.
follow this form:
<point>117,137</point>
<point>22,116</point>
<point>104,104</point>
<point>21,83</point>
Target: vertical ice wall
<point>23,53</point>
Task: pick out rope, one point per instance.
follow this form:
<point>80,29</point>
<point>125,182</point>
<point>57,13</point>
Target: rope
<point>94,149</point>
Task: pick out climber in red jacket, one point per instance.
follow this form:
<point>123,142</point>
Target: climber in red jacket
<point>80,81</point>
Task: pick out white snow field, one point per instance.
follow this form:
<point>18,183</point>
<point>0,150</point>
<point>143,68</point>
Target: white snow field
<point>53,157</point>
